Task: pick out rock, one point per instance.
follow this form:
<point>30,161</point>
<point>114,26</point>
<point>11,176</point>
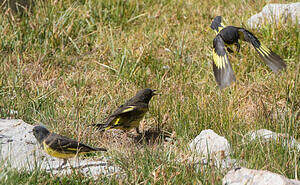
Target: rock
<point>275,13</point>
<point>267,135</point>
<point>244,176</point>
<point>209,143</point>
<point>166,67</point>
<point>20,150</point>
<point>209,146</point>
<point>17,5</point>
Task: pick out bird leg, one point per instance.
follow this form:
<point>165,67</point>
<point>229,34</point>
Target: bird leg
<point>64,163</point>
<point>77,160</point>
<point>137,130</point>
<point>238,46</point>
<point>229,50</point>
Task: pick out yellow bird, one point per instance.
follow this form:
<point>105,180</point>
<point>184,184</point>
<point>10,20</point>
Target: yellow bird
<point>129,115</point>
<point>230,35</point>
<point>60,146</point>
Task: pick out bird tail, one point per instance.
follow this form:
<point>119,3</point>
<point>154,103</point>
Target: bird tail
<point>268,56</point>
<point>217,25</point>
<point>100,149</point>
<point>101,126</point>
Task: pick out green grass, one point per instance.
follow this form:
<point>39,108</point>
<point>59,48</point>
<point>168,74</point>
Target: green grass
<point>70,64</point>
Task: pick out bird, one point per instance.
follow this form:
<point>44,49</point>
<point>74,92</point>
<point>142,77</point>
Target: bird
<point>230,35</point>
<point>60,146</point>
<point>129,115</point>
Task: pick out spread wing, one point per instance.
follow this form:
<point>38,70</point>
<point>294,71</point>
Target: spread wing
<point>268,56</point>
<point>221,66</point>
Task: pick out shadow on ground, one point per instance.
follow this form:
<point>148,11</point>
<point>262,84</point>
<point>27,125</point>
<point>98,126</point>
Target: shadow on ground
<point>151,137</point>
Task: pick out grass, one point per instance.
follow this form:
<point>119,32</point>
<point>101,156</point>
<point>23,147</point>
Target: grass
<point>68,64</point>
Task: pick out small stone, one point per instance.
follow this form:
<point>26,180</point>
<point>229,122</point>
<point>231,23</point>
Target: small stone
<point>166,67</point>
<point>267,135</point>
<point>208,143</point>
<point>275,13</point>
<point>244,176</point>
<point>210,146</point>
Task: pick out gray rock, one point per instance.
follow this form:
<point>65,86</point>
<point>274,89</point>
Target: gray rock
<point>265,135</point>
<point>209,146</point>
<point>244,176</point>
<point>274,13</point>
<point>20,150</point>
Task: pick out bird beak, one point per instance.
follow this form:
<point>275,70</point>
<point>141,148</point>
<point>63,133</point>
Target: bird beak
<point>154,93</point>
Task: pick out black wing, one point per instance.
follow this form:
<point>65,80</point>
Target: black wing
<point>128,113</point>
<point>221,66</point>
<point>66,145</point>
<point>130,108</point>
<point>269,57</point>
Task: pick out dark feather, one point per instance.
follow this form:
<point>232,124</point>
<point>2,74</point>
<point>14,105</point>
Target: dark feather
<point>223,73</point>
<point>130,113</point>
<point>272,60</point>
<point>66,145</point>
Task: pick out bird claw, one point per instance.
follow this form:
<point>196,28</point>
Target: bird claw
<point>229,50</point>
<point>238,47</point>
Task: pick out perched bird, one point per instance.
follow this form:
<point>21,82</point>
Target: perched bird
<point>129,115</point>
<point>230,35</point>
<point>60,146</point>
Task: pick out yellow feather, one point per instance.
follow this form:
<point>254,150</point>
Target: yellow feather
<point>133,124</point>
<point>107,128</point>
<point>219,60</point>
<point>74,149</point>
<point>263,50</point>
<point>128,109</point>
<point>220,28</point>
<point>117,121</point>
<point>56,153</point>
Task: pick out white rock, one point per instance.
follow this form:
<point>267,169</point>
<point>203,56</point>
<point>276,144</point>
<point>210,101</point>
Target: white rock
<point>208,142</point>
<point>274,13</point>
<point>20,150</point>
<point>210,146</point>
<point>244,176</point>
<point>267,135</point>
<point>166,67</point>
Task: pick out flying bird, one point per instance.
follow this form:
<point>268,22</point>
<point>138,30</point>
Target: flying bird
<point>230,35</point>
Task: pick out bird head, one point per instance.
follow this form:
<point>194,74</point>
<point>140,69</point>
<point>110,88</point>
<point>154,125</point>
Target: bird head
<point>145,95</point>
<point>40,133</point>
<point>217,25</point>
